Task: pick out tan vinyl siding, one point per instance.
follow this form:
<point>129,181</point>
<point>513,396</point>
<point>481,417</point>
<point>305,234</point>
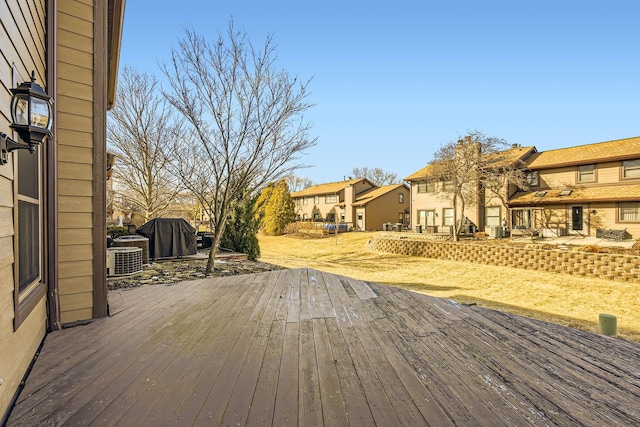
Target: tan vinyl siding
<point>560,177</point>
<point>75,159</point>
<point>75,221</point>
<point>22,45</point>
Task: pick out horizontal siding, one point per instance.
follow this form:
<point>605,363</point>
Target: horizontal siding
<point>76,315</point>
<point>70,55</point>
<point>73,89</point>
<point>67,187</point>
<point>74,24</point>
<point>77,9</point>
<point>6,192</point>
<point>74,269</point>
<point>6,253</point>
<point>75,236</point>
<point>75,40</point>
<point>6,221</point>
<point>557,177</point>
<point>23,344</point>
<point>76,301</point>
<point>80,74</point>
<point>74,252</point>
<point>74,220</point>
<point>67,170</point>
<point>22,45</point>
<point>609,173</point>
<point>75,285</point>
<point>73,154</point>
<point>79,107</point>
<point>75,138</point>
<point>74,204</point>
<point>28,35</point>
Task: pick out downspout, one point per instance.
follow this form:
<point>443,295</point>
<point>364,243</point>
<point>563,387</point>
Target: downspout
<point>53,298</point>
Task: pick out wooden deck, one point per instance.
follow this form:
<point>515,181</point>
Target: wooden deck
<point>303,347</point>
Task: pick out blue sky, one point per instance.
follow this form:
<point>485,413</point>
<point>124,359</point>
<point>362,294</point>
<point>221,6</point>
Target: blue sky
<point>392,81</point>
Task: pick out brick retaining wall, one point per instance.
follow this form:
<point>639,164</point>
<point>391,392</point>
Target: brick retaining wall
<point>586,264</point>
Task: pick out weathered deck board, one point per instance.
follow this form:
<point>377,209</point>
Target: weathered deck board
<point>304,347</point>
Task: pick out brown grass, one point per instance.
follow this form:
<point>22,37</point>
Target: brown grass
<point>558,298</point>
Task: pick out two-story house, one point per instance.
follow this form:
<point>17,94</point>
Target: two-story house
<point>52,200</point>
<point>356,202</point>
<point>580,190</point>
<point>432,208</point>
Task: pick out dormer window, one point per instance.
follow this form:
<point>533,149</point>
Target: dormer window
<point>532,179</point>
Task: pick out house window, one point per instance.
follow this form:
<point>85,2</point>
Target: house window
<point>305,216</point>
<point>587,173</point>
<point>316,200</point>
<point>400,197</point>
<point>422,186</point>
<point>330,198</point>
<point>331,217</point>
<point>631,169</point>
<point>341,217</point>
<point>298,202</point>
<point>29,287</point>
<point>426,218</point>
<point>447,186</point>
<point>447,216</point>
<point>317,217</point>
<point>492,216</point>
<point>628,212</point>
<point>400,217</point>
<point>532,179</point>
<point>305,200</point>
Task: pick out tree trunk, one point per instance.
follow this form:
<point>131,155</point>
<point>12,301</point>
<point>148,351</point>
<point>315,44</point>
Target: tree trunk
<point>217,235</point>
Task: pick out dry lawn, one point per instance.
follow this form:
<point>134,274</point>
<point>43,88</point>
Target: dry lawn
<point>558,298</point>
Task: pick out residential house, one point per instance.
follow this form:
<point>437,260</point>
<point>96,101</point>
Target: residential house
<point>432,208</point>
<point>52,202</point>
<point>581,190</point>
<point>356,202</point>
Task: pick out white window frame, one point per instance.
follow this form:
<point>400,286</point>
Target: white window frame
<point>493,219</point>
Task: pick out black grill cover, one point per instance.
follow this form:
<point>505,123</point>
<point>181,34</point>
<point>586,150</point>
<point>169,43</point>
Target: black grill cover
<point>169,237</point>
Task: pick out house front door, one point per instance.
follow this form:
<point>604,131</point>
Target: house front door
<point>576,218</point>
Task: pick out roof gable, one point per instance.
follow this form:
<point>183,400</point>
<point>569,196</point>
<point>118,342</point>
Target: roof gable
<point>327,188</point>
<point>369,195</point>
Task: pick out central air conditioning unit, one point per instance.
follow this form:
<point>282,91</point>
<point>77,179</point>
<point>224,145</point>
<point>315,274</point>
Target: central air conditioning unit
<point>496,232</point>
<point>124,261</point>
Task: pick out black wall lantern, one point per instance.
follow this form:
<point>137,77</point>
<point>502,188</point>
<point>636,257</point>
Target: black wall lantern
<point>32,116</point>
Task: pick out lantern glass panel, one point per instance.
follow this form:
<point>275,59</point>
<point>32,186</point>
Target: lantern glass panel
<point>20,110</point>
<point>39,113</point>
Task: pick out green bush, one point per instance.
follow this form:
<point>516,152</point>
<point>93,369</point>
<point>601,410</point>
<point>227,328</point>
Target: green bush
<point>116,231</point>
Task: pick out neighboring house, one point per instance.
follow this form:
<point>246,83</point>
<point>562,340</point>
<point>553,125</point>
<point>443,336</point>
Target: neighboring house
<point>356,202</point>
<point>580,190</point>
<point>432,206</point>
<point>52,202</point>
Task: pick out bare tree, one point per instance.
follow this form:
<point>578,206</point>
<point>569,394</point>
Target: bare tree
<point>140,130</point>
<point>377,176</point>
<point>297,183</point>
<point>246,120</point>
<point>459,167</point>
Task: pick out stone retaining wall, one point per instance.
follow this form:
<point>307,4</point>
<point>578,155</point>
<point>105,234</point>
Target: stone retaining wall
<point>586,264</point>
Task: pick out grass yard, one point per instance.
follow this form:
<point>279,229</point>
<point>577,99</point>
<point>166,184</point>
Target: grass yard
<point>564,299</point>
